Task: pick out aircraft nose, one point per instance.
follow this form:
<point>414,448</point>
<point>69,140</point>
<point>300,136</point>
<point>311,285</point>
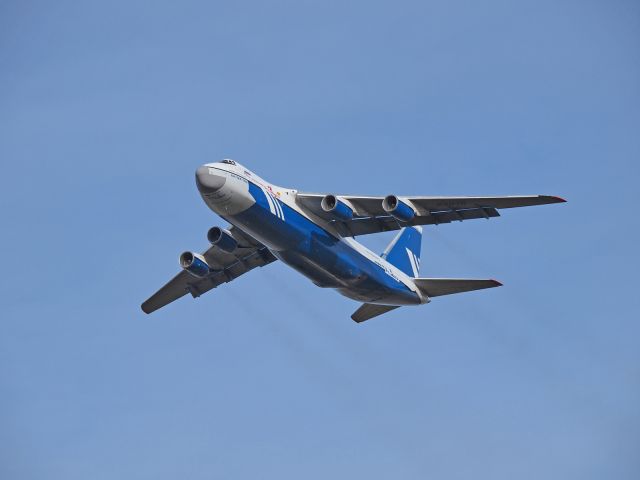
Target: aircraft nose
<point>208,180</point>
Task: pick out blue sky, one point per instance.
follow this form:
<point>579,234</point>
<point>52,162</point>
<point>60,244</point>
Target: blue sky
<point>108,108</point>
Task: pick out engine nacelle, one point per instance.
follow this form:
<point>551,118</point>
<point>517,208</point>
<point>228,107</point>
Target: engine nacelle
<point>222,239</point>
<point>195,264</point>
<point>337,208</point>
<point>398,209</point>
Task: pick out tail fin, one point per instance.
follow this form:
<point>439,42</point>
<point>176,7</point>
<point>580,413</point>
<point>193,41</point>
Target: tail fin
<point>404,250</point>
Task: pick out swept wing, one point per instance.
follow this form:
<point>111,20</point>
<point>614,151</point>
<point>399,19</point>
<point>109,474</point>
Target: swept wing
<point>227,267</point>
<point>370,217</point>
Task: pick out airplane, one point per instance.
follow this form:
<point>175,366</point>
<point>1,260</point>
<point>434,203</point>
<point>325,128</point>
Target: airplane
<point>315,235</point>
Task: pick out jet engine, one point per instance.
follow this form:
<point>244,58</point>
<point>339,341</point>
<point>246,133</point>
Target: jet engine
<point>398,209</point>
<point>337,208</point>
<point>195,264</point>
<point>222,239</point>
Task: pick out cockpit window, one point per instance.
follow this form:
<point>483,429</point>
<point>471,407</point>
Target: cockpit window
<point>228,162</point>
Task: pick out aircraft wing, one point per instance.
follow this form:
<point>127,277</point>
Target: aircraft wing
<point>370,217</point>
<point>227,266</point>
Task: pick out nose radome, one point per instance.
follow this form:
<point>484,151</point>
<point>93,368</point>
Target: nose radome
<point>208,180</point>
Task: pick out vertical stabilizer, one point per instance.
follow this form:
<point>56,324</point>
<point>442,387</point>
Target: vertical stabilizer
<point>404,250</point>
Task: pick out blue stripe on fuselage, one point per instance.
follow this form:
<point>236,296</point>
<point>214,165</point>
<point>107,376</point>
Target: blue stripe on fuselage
<point>325,259</point>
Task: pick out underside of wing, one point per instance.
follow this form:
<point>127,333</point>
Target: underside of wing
<point>369,310</point>
<point>436,287</point>
<point>224,267</point>
<point>371,214</point>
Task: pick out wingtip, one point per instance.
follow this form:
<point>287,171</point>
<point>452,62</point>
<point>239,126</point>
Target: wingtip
<point>555,199</point>
<point>497,283</point>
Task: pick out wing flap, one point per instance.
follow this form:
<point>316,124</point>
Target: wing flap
<point>387,223</point>
<point>448,216</point>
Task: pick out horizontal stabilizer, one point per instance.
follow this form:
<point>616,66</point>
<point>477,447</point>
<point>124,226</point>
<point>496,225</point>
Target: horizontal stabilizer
<point>370,310</point>
<point>436,287</point>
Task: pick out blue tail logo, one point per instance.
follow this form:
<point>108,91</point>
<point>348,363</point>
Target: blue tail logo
<point>404,251</point>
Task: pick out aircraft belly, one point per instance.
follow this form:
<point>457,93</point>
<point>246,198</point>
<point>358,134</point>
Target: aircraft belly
<point>302,245</point>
